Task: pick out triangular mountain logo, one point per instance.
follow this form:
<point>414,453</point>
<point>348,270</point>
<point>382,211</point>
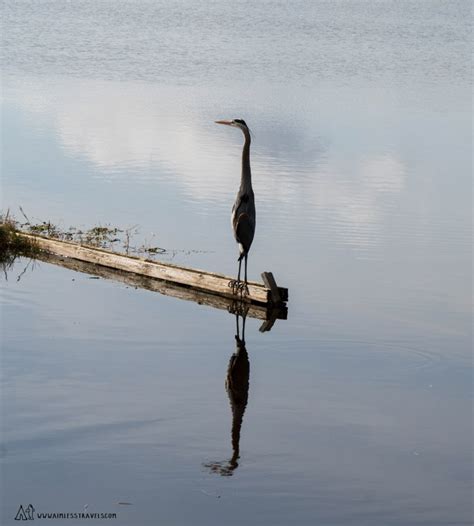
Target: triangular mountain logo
<point>25,515</point>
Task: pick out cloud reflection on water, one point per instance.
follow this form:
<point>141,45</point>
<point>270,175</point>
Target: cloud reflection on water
<point>145,133</point>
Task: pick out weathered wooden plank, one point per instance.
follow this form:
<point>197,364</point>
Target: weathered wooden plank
<point>197,279</point>
<point>260,312</point>
<point>270,283</point>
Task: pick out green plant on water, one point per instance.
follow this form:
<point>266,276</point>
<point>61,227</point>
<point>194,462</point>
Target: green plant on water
<point>153,250</point>
<point>98,236</point>
<point>12,243</point>
<point>101,236</point>
<point>46,228</point>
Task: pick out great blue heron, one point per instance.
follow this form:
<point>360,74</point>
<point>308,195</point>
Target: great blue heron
<point>243,211</point>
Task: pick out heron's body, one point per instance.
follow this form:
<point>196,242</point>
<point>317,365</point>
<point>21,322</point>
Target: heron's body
<point>243,212</point>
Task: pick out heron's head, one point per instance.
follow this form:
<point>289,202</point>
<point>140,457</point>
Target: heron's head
<point>236,123</point>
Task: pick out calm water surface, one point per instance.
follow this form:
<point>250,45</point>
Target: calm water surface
<point>359,405</point>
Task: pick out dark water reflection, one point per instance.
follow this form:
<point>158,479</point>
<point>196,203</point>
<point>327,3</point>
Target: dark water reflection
<point>237,387</point>
<point>349,430</point>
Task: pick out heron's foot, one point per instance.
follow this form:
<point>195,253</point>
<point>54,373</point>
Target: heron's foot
<point>234,285</point>
<point>239,287</point>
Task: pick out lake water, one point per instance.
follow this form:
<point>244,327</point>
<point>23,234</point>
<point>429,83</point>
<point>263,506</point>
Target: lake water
<point>359,405</point>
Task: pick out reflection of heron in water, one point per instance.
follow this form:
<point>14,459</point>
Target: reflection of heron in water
<point>237,386</point>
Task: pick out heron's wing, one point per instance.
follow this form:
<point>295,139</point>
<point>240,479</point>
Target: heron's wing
<point>244,229</point>
<point>241,202</point>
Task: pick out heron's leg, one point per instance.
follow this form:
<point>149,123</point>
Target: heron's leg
<point>244,317</point>
<point>235,284</point>
<point>245,287</point>
<point>240,286</point>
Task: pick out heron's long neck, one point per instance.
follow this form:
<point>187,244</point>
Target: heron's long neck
<point>246,178</point>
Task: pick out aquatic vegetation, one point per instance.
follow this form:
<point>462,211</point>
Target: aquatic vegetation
<point>12,243</point>
<point>46,228</point>
<point>101,236</point>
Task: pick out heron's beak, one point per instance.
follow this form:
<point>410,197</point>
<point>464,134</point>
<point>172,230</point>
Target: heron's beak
<point>228,123</point>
